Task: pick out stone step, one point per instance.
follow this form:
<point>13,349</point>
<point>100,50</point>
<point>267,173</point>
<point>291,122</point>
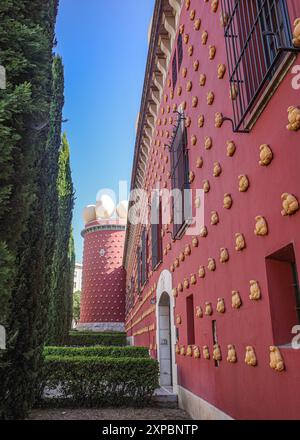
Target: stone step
<point>164,397</point>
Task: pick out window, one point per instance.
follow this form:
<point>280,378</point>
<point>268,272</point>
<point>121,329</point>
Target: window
<point>181,203</point>
<point>284,293</point>
<point>190,320</point>
<point>144,257</point>
<point>139,270</point>
<point>258,36</point>
<point>156,227</point>
<point>179,51</point>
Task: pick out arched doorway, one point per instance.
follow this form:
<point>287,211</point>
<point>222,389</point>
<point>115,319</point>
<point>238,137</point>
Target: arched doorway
<point>166,331</point>
<point>164,339</point>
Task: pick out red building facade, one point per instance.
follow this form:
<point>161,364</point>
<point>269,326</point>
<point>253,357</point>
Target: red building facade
<point>103,277</point>
<point>220,309</point>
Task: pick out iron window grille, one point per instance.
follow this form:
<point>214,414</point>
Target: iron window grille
<point>181,203</point>
<point>258,37</point>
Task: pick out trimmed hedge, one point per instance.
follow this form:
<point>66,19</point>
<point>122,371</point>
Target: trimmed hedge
<point>98,351</point>
<point>93,381</point>
<point>81,339</point>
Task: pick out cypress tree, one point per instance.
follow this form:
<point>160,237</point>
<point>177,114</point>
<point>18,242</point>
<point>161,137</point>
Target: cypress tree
<point>26,42</point>
<point>60,311</point>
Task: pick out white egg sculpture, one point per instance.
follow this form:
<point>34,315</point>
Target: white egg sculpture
<point>122,209</point>
<point>89,214</point>
<point>105,207</point>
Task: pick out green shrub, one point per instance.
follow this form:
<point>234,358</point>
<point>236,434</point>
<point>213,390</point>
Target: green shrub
<point>98,351</point>
<point>94,381</point>
<point>80,339</point>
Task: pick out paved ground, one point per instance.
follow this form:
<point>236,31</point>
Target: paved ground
<point>110,414</point>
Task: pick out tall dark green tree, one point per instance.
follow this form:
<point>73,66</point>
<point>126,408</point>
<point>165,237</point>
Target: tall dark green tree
<point>60,312</point>
<point>26,43</point>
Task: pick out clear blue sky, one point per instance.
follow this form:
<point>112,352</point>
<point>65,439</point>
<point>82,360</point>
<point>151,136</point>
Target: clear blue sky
<point>104,46</point>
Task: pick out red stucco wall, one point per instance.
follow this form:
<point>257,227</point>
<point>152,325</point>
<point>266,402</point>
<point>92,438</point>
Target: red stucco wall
<point>238,389</point>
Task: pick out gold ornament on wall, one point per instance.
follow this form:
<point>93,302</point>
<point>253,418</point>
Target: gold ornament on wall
<point>175,292</point>
<point>231,148</point>
<point>172,268</point>
<point>208,309</point>
<point>194,140</point>
<point>201,121</point>
<point>187,4</point>
<point>177,349</point>
<point>217,355</point>
<point>224,255</point>
<point>208,142</point>
<point>227,202</point>
<point>217,169</point>
<point>186,38</point>
<point>261,226</point>
<point>189,351</point>
<point>212,52</point>
<point>233,92</point>
<point>192,14</point>
<point>202,79</point>
<point>184,72</point>
<point>196,65</point>
<point>203,232</point>
<point>250,357</point>
<point>195,242</point>
<point>176,263</point>
<point>296,33</point>
<point>186,283</point>
<point>205,351</point>
<point>224,19</point>
<point>191,50</point>
<point>204,37</point>
<point>187,250</point>
<point>214,219</point>
<point>294,118</point>
<point>199,162</point>
<point>196,352</point>
<point>266,155</point>
<point>178,320</point>
<point>221,71</point>
<point>231,355</point>
<point>210,98</point>
<point>179,90</point>
<point>193,279</point>
<point>180,287</point>
<point>199,312</point>
<point>191,176</point>
<point>218,120</point>
<point>181,256</point>
<point>243,183</point>
<point>236,300</point>
<point>188,121</point>
<point>255,292</point>
<point>201,272</point>
<point>194,101</point>
<point>214,5</point>
<point>197,202</point>
<point>211,264</point>
<point>197,24</point>
<point>290,204</point>
<point>276,360</point>
<point>181,29</point>
<point>189,86</point>
<point>182,350</point>
<point>206,186</point>
<point>221,305</point>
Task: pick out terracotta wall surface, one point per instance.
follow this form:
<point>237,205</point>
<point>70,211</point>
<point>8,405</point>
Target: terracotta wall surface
<point>238,389</point>
<point>103,288</point>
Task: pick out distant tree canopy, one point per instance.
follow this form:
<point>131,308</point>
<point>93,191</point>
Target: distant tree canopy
<point>31,156</point>
<point>76,306</point>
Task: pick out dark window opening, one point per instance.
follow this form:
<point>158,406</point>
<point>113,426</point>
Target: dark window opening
<point>156,228</point>
<point>257,34</point>
<point>174,71</point>
<point>139,270</point>
<point>284,293</point>
<point>144,257</point>
<point>181,200</point>
<point>179,51</point>
<point>215,338</point>
<point>190,320</point>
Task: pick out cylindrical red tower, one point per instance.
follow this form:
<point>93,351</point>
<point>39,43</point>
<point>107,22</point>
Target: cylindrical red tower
<point>103,276</point>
